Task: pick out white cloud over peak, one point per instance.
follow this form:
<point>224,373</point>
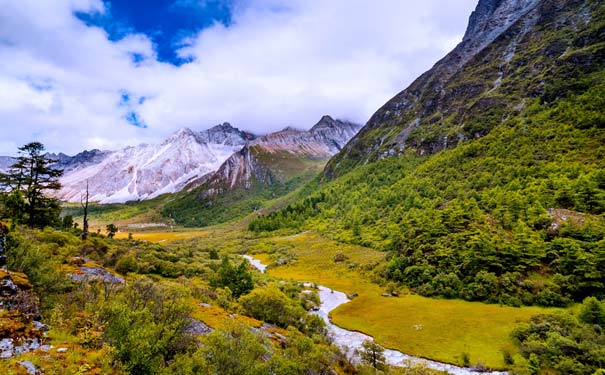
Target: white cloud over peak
<point>67,85</point>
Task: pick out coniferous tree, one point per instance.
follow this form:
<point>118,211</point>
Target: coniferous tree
<point>26,185</point>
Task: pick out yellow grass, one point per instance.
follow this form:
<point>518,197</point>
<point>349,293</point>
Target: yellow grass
<point>432,328</point>
<point>163,237</point>
<point>216,317</point>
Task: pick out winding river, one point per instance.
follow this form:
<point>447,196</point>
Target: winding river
<point>349,341</point>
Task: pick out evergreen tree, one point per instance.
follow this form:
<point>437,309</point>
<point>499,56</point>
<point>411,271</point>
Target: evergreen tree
<point>238,280</point>
<point>593,312</point>
<point>372,354</point>
<point>26,184</point>
<point>111,230</point>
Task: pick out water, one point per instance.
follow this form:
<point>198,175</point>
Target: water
<point>350,341</point>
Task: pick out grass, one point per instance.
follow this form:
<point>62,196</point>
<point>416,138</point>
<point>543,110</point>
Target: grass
<point>163,237</point>
<point>431,328</point>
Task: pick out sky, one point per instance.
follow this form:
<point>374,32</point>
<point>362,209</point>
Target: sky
<point>84,74</point>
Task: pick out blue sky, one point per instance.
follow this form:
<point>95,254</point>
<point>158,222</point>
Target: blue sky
<point>165,22</point>
<point>82,74</point>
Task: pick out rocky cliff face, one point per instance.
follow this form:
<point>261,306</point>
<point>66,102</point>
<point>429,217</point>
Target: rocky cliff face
<point>509,52</point>
<point>226,134</point>
<point>278,156</point>
<point>146,171</point>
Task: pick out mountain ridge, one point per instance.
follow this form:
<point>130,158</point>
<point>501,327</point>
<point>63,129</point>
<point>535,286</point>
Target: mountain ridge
<point>449,103</point>
<point>148,170</point>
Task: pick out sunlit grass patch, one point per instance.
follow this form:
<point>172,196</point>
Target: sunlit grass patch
<point>162,237</point>
<point>432,328</point>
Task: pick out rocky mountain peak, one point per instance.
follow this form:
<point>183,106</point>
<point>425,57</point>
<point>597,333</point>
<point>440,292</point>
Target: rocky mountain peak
<point>289,129</point>
<point>180,134</point>
<point>226,134</point>
<point>491,18</point>
<point>326,121</point>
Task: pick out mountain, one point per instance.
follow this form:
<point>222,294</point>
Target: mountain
<point>226,134</point>
<point>279,156</point>
<point>266,167</point>
<point>485,179</point>
<point>512,51</point>
<point>146,171</point>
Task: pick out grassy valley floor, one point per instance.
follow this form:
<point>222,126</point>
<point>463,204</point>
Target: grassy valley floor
<point>437,329</point>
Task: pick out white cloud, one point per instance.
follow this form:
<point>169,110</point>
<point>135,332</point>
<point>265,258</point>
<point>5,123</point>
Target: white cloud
<point>61,82</point>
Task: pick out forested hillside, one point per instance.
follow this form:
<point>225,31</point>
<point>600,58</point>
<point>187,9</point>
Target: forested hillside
<point>514,216</point>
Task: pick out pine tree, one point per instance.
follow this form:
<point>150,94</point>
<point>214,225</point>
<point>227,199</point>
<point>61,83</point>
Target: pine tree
<point>26,184</point>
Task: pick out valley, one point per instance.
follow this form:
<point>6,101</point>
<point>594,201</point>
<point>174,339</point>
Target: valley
<point>460,231</point>
<point>440,330</point>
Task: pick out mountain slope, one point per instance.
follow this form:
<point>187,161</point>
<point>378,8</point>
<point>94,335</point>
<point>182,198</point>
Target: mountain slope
<point>265,168</point>
<point>146,171</point>
<point>514,213</point>
<point>511,52</point>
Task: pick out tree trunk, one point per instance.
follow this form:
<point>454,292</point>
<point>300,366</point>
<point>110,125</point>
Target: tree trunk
<point>84,235</point>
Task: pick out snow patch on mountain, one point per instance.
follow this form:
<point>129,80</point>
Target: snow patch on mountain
<point>149,170</point>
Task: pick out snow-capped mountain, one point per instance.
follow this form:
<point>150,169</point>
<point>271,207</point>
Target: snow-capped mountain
<point>220,156</point>
<point>278,156</point>
<point>148,170</point>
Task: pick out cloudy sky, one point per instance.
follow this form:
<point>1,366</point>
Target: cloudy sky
<point>81,74</point>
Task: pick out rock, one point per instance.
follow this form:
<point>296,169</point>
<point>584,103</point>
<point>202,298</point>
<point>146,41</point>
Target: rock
<point>395,294</point>
<point>203,304</point>
<point>340,257</point>
<point>197,327</point>
<point>30,367</point>
<point>352,295</point>
<point>41,326</point>
<point>281,262</point>
<point>8,348</point>
<point>96,273</point>
<point>386,294</point>
<point>267,326</point>
<point>61,350</point>
<point>16,294</point>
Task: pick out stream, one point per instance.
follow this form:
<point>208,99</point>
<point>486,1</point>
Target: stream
<point>349,341</point>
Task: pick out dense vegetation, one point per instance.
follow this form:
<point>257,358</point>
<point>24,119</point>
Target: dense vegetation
<point>566,343</point>
<point>145,324</point>
<point>515,217</point>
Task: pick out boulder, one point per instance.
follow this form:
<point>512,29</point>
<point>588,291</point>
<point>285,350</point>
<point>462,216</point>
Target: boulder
<point>96,273</point>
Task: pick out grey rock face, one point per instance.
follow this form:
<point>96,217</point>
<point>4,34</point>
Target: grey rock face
<point>197,327</point>
<point>490,19</point>
<point>95,273</point>
<point>83,159</point>
<point>29,367</point>
<point>9,347</point>
<point>226,134</point>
